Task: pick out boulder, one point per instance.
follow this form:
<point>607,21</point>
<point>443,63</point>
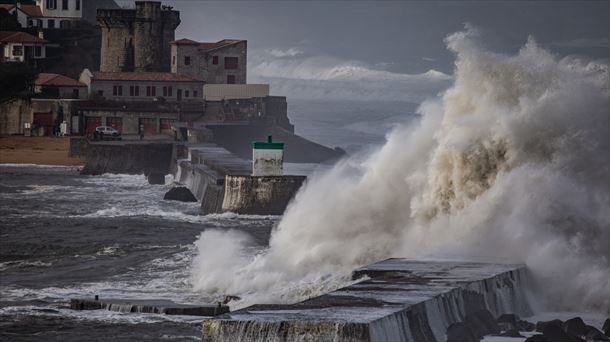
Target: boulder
<point>536,338</point>
<point>180,193</point>
<point>542,324</point>
<point>482,323</point>
<point>461,332</point>
<point>606,327</point>
<point>575,326</point>
<point>594,335</point>
<point>525,326</point>
<point>555,333</point>
<point>508,322</point>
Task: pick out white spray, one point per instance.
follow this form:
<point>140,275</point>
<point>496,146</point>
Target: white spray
<point>511,164</point>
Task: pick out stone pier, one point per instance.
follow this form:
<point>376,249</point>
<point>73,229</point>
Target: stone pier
<point>397,300</point>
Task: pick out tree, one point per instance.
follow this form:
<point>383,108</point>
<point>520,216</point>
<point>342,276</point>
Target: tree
<point>16,80</point>
<point>8,22</point>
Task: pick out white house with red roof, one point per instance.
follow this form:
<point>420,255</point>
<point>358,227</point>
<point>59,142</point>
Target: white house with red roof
<point>66,87</point>
<point>27,15</point>
<point>143,86</point>
<point>21,47</point>
<point>223,62</point>
<point>46,13</point>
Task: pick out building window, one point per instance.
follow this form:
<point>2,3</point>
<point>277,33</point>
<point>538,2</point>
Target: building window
<point>186,93</point>
<point>39,23</point>
<point>51,4</point>
<point>173,60</point>
<point>230,79</point>
<point>230,63</point>
<point>38,51</point>
<point>187,60</point>
<point>64,5</point>
<point>78,5</point>
<point>148,92</point>
<point>17,50</point>
<point>164,91</point>
<point>215,60</point>
<point>134,91</point>
<point>30,23</point>
<point>75,93</point>
<point>153,90</point>
<point>100,93</point>
<point>51,23</point>
<point>169,91</point>
<point>194,93</point>
<point>117,90</point>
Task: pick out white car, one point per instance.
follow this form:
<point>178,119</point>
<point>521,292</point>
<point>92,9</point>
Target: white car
<point>107,131</point>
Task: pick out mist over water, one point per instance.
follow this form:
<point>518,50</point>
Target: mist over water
<point>511,164</point>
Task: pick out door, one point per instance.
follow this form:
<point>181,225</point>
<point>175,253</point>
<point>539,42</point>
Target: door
<point>149,126</point>
<point>91,122</point>
<point>44,120</point>
<point>116,123</point>
<point>179,95</point>
<point>166,126</point>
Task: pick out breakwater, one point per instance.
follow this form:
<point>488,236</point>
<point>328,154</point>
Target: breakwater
<point>152,159</point>
<point>222,182</point>
<point>397,300</point>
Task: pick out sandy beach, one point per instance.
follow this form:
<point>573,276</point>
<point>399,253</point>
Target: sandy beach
<point>36,150</point>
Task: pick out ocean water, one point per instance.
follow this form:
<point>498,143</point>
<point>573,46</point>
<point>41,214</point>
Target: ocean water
<point>64,235</point>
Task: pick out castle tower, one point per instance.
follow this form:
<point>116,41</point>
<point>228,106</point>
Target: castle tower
<point>137,39</point>
<point>117,40</point>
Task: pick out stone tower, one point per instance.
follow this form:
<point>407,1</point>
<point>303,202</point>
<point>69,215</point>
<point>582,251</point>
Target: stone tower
<point>137,39</point>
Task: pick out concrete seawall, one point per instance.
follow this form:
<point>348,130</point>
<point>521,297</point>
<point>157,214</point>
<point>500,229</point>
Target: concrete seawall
<point>222,182</point>
<point>402,300</point>
<point>260,195</point>
<point>148,158</point>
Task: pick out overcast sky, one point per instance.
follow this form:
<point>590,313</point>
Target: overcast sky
<point>391,37</point>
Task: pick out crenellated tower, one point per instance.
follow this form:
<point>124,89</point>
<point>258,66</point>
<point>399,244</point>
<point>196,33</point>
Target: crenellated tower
<point>137,39</point>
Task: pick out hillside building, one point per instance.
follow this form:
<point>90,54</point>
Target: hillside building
<point>21,47</point>
<point>61,86</point>
<point>142,86</point>
<point>47,14</point>
<point>223,62</point>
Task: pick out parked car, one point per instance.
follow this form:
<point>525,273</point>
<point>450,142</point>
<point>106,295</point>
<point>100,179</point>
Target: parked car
<point>106,132</point>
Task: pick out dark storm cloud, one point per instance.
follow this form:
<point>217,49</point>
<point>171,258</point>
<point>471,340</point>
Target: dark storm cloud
<point>402,36</point>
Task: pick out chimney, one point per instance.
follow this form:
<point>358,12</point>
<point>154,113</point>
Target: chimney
<point>41,34</point>
<point>18,4</point>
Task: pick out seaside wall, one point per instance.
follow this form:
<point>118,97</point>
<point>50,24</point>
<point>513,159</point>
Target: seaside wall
<point>400,300</point>
<point>129,158</point>
<point>13,115</point>
<point>205,184</point>
<point>260,195</point>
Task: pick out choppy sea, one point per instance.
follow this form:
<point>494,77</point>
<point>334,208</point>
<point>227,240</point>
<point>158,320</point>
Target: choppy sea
<point>64,235</point>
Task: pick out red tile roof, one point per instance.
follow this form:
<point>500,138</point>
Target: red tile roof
<point>143,76</point>
<point>19,37</point>
<point>57,80</point>
<point>30,10</point>
<point>207,46</point>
